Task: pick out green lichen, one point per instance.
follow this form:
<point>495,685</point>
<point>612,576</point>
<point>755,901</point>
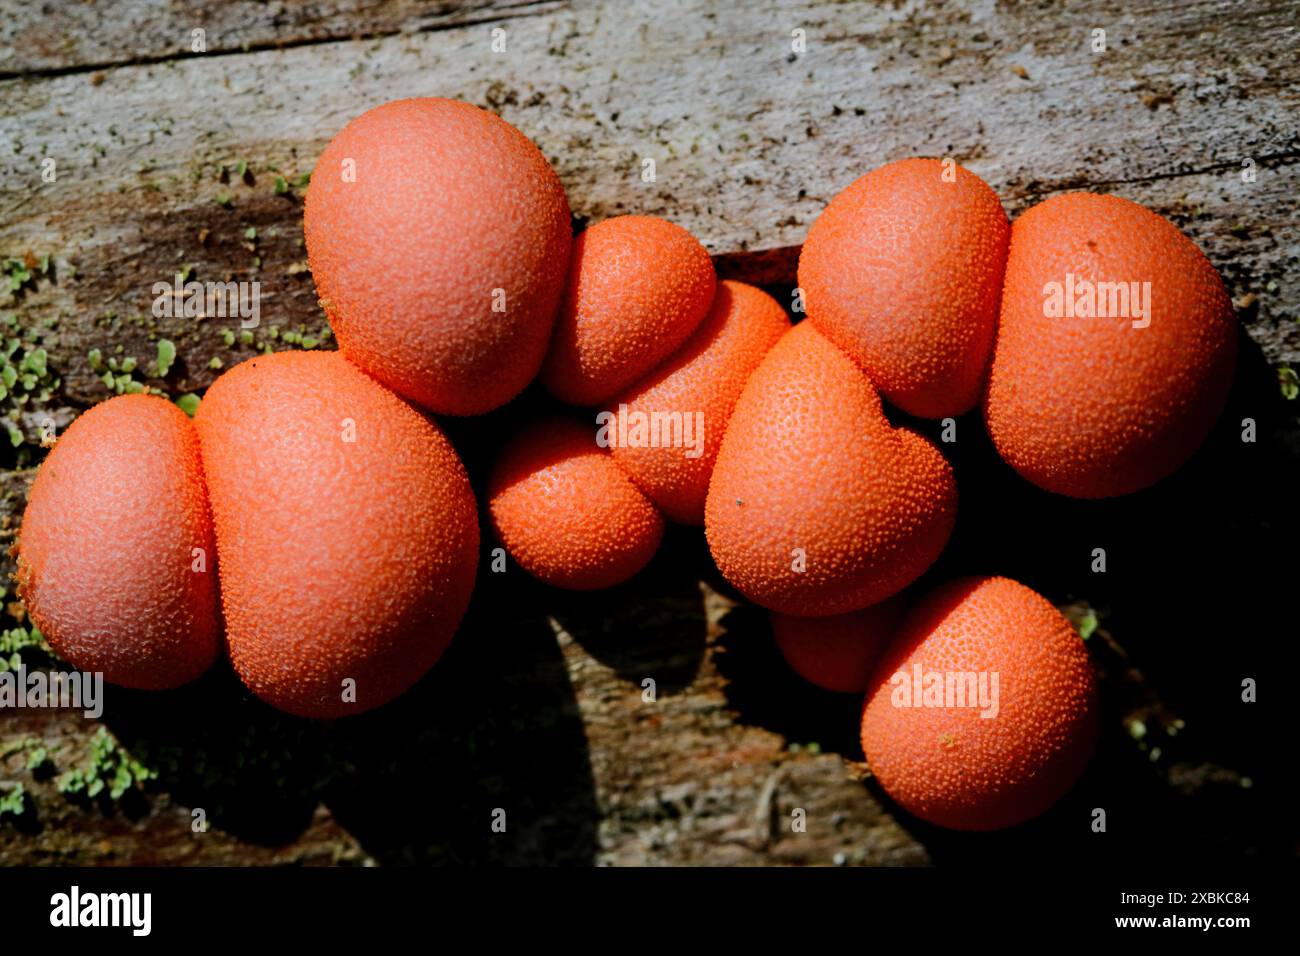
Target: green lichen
<point>188,403</point>
<point>125,376</point>
<point>27,381</point>
<point>39,762</point>
<point>23,644</point>
<point>21,273</point>
<point>1289,382</point>
<point>109,769</point>
<point>283,185</point>
<point>1088,624</point>
<point>265,339</point>
<point>166,356</point>
<point>36,361</point>
<point>302,338</point>
<point>13,802</point>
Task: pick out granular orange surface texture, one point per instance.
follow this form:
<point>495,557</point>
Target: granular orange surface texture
<point>952,766</point>
<point>439,238</point>
<point>346,529</point>
<point>1099,405</point>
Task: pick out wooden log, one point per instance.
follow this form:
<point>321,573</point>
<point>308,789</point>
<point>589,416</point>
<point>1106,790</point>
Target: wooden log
<point>539,708</point>
<point>749,140</point>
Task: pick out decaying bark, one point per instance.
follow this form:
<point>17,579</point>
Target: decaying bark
<point>167,160</point>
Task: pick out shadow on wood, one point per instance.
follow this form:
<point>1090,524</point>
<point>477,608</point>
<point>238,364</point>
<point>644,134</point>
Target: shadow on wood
<point>492,736</point>
<point>1193,589</point>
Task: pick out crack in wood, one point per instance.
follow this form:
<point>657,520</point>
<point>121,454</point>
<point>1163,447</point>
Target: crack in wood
<point>522,11</point>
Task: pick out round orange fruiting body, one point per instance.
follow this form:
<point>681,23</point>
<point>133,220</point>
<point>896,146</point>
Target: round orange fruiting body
<point>673,420</point>
<point>637,288</point>
<point>982,712</point>
<point>1093,405</point>
<point>439,238</point>
<point>346,529</point>
<point>903,270</point>
<point>837,652</point>
<point>817,504</point>
<point>566,512</point>
<point>116,560</point>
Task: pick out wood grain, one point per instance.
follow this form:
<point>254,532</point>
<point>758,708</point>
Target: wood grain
<point>749,139</point>
<point>86,35</point>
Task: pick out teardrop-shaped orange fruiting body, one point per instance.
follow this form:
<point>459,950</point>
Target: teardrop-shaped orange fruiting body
<point>566,512</point>
<point>982,712</point>
<point>817,505</point>
<point>439,237</point>
<point>116,560</point>
<point>346,529</point>
<point>673,420</point>
<point>1090,404</point>
<point>637,288</point>
<point>903,270</point>
<point>838,652</point>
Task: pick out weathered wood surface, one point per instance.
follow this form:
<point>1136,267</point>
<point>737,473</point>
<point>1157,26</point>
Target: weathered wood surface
<point>538,710</point>
<point>59,37</point>
<point>749,139</point>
